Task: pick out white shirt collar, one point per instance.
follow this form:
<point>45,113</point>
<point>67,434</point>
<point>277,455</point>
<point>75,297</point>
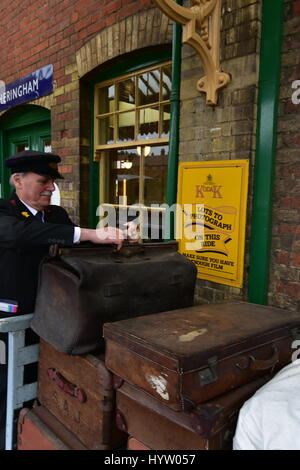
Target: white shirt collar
<point>31,209</point>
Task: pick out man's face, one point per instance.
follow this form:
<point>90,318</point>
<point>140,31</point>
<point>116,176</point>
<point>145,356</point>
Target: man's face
<point>34,189</point>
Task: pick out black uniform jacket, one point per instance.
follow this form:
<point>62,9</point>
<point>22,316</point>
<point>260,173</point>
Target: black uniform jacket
<point>24,241</point>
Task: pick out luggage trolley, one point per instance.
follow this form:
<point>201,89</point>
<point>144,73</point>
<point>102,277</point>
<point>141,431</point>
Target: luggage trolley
<point>19,355</point>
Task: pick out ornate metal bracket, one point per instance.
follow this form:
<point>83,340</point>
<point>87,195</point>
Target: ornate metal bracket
<point>201,30</point>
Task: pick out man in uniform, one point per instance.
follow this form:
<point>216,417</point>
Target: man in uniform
<point>28,226</point>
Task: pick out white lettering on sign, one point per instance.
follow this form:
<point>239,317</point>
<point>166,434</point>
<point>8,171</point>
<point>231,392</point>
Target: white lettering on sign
<point>296,94</point>
<point>21,90</point>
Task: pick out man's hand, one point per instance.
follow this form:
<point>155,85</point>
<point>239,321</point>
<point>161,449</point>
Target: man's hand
<point>131,233</point>
<point>103,235</point>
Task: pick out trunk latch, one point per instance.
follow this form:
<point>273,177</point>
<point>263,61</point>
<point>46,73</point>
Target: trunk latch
<point>209,375</point>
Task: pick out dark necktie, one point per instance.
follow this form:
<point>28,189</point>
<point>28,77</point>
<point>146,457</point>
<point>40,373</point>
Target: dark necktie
<point>39,216</point>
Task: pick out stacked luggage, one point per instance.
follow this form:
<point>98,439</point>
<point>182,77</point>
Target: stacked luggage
<point>183,375</point>
<point>126,361</point>
<point>80,289</point>
<point>76,405</point>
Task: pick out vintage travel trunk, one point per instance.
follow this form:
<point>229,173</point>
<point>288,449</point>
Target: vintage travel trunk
<point>209,426</point>
<point>192,355</point>
<point>135,444</point>
<point>40,430</point>
<point>78,391</point>
<point>81,288</point>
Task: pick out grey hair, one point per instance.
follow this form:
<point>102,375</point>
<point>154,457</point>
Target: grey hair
<point>11,179</point>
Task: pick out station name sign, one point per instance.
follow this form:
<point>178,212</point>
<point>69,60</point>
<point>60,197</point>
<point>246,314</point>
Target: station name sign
<point>29,88</point>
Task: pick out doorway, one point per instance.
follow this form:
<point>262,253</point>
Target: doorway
<point>24,128</point>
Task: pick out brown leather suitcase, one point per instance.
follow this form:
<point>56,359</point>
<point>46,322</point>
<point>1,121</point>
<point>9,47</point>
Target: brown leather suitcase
<point>80,288</point>
<point>78,391</point>
<point>192,355</point>
<point>135,444</point>
<point>39,430</point>
<point>210,426</point>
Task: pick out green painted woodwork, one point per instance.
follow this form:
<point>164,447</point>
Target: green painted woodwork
<point>23,125</point>
<point>174,125</point>
<point>269,82</point>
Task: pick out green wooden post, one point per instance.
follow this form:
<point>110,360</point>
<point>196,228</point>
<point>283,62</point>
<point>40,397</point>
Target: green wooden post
<point>269,83</point>
<point>174,125</point>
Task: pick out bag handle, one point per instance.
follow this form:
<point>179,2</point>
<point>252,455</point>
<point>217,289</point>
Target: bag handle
<point>265,364</point>
<point>252,363</point>
<point>127,252</point>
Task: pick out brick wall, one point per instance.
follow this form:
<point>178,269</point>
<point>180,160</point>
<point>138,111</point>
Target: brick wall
<point>226,131</point>
<point>74,36</point>
<point>285,261</point>
<point>36,32</point>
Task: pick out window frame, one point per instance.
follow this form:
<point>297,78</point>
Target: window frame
<point>121,66</point>
<point>136,109</point>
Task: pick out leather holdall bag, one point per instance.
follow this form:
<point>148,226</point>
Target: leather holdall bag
<point>80,288</point>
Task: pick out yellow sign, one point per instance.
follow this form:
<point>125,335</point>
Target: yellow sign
<point>211,218</point>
